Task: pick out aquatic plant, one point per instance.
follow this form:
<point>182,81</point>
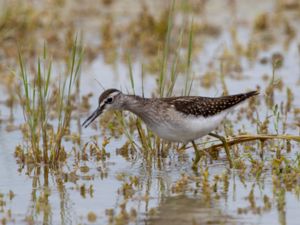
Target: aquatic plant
<point>36,95</point>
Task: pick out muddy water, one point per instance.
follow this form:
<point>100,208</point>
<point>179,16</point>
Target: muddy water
<point>164,190</point>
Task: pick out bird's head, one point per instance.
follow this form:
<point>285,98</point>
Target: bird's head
<point>111,99</point>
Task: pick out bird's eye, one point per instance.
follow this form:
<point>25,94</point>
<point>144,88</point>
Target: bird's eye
<point>109,100</point>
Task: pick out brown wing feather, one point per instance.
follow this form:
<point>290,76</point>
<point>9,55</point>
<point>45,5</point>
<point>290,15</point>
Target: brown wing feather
<point>205,106</point>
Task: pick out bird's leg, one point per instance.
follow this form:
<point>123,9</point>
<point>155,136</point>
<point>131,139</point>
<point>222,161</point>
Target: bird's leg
<point>226,147</point>
<point>197,156</point>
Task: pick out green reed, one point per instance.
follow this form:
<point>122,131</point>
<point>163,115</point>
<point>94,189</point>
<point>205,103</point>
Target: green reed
<point>45,139</point>
<point>189,80</point>
<point>166,52</point>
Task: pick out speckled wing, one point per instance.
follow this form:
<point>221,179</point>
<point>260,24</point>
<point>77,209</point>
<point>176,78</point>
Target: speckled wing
<point>205,106</point>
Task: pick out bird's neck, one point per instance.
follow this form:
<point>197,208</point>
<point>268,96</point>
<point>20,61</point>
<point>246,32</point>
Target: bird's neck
<point>144,108</point>
<point>135,104</point>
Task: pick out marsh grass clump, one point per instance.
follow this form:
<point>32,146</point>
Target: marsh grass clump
<point>17,19</point>
<point>147,32</point>
<point>25,23</point>
<point>108,44</point>
<point>92,151</point>
<point>44,139</point>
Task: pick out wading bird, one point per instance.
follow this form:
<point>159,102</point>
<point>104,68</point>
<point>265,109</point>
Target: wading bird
<point>178,119</point>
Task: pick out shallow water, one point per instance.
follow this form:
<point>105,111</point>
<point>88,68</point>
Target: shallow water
<point>162,190</point>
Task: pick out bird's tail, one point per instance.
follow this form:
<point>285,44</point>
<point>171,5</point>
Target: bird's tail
<point>238,98</point>
<point>250,94</point>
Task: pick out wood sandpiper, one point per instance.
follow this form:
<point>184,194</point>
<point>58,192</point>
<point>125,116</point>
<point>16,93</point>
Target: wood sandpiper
<point>178,119</point>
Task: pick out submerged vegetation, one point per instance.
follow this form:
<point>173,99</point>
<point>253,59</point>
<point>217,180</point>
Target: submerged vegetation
<point>119,172</point>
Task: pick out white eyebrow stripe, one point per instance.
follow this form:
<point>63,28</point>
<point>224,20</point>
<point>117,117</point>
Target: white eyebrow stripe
<point>113,94</point>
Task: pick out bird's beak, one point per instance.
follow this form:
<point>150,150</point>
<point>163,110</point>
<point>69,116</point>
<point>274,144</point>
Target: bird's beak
<point>92,117</point>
